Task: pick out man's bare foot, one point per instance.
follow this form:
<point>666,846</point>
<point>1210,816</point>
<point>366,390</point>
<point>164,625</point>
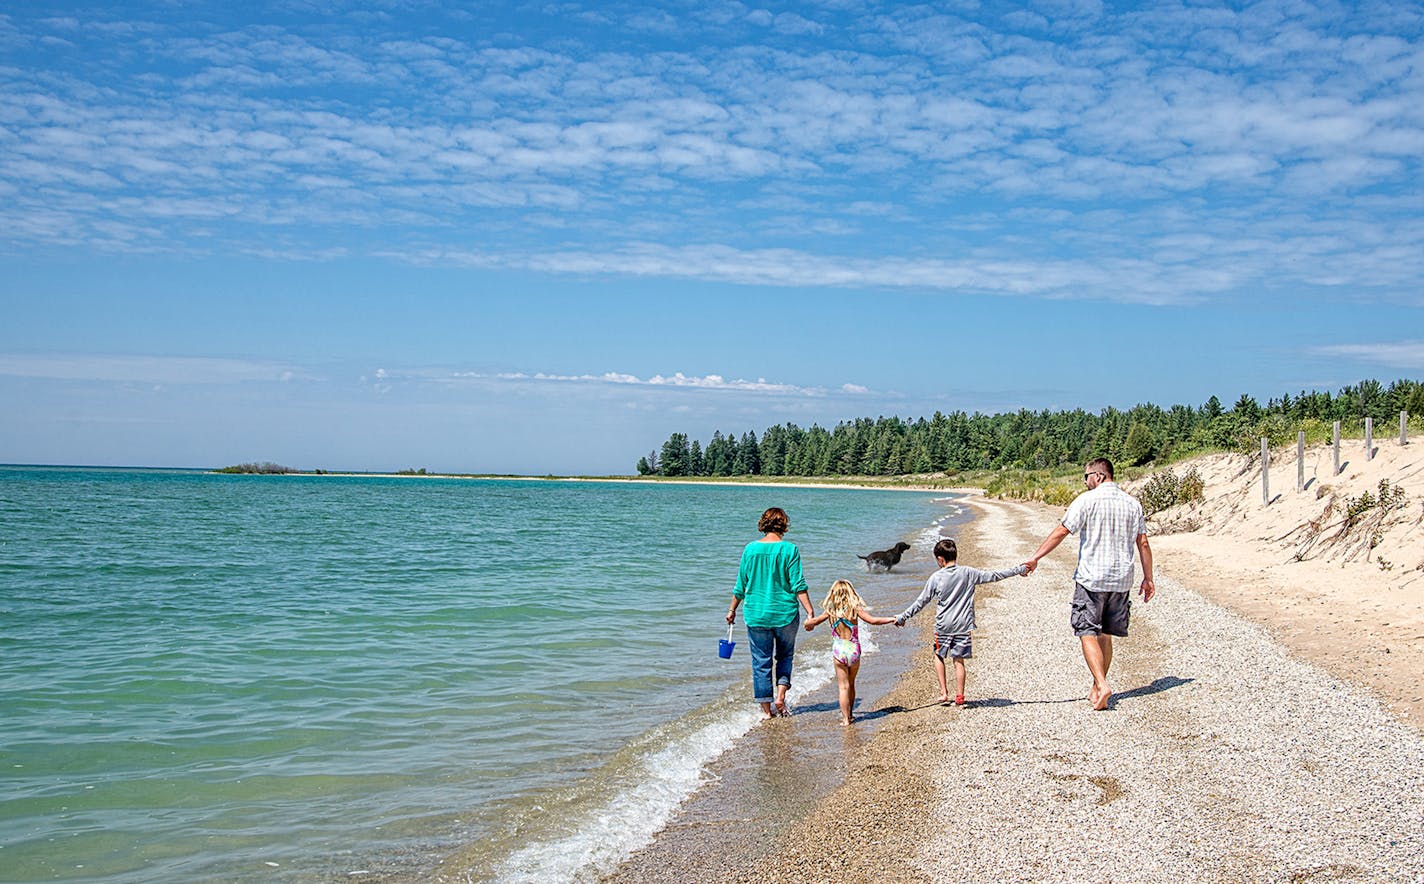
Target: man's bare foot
<point>1101,701</point>
<point>1093,694</point>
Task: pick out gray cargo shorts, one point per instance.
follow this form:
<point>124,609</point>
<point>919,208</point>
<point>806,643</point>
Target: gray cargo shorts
<point>1100,613</point>
<point>959,646</point>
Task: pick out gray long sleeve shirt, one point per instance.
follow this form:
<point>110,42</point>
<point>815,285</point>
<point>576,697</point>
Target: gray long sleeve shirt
<point>953,586</point>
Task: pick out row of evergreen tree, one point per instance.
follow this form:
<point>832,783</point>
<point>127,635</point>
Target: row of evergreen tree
<point>957,441</point>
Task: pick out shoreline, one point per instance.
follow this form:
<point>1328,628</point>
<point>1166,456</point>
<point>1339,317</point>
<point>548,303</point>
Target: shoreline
<point>639,480</point>
<point>1027,720</point>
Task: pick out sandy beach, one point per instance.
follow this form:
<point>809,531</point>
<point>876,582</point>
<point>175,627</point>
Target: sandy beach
<point>1266,724</point>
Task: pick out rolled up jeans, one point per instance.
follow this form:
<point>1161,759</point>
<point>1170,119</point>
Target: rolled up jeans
<point>771,645</point>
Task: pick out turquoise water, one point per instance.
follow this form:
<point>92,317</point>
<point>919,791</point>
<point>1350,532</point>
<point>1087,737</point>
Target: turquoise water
<point>211,677</point>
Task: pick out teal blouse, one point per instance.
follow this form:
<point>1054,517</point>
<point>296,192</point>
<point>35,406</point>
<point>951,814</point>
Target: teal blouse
<point>767,583</point>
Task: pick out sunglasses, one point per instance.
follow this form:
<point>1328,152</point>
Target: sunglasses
<point>1087,476</point>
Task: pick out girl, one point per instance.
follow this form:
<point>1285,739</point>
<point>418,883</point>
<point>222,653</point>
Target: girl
<point>843,607</point>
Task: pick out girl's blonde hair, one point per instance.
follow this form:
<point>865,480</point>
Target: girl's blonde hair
<point>842,600</point>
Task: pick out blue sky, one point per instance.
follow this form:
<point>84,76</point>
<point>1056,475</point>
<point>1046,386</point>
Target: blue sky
<point>541,237</point>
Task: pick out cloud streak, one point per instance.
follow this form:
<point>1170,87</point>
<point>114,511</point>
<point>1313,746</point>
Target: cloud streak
<point>1407,355</point>
<point>171,370</point>
<point>677,380</point>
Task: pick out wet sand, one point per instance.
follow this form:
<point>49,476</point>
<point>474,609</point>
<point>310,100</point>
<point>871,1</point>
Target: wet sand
<point>779,772</point>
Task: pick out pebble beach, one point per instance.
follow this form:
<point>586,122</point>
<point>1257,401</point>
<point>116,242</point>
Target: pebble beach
<point>1223,757</point>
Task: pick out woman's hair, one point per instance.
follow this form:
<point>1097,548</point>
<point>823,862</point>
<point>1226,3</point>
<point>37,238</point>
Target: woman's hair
<point>842,600</point>
<point>774,521</point>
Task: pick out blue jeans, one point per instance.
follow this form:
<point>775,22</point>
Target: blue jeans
<point>768,645</point>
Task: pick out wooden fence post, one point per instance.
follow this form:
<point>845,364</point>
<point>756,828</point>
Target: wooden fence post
<point>1300,460</point>
<point>1265,472</point>
<point>1404,428</point>
<point>1335,434</point>
<point>1369,438</point>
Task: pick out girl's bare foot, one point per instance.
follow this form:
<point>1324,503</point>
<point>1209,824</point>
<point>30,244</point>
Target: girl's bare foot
<point>845,722</point>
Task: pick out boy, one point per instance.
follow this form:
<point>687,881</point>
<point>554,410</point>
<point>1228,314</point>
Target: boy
<point>954,586</point>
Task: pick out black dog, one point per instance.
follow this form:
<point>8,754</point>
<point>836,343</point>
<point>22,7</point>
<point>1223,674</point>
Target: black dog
<point>886,558</point>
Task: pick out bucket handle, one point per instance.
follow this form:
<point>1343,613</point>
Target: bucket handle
<point>729,632</point>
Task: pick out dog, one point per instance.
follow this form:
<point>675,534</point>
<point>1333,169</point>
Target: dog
<point>886,558</point>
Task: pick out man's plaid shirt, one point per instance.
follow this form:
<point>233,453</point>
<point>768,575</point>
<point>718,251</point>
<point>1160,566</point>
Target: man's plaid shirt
<point>1107,521</point>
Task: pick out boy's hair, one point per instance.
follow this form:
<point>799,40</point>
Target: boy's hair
<point>1101,463</point>
<point>843,600</point>
<point>945,550</point>
<point>774,521</point>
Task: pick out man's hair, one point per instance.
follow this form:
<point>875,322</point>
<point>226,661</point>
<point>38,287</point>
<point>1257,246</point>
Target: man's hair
<point>774,521</point>
<point>1101,463</point>
<point>946,550</point>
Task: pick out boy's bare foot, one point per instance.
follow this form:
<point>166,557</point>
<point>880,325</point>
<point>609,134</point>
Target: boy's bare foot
<point>943,698</point>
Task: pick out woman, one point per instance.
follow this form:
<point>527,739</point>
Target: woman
<point>771,584</point>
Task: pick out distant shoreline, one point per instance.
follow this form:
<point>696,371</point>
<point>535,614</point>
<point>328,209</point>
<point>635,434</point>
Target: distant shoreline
<point>763,482</point>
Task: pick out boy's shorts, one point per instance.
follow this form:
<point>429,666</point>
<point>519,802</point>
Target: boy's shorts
<point>1100,613</point>
<point>960,646</point>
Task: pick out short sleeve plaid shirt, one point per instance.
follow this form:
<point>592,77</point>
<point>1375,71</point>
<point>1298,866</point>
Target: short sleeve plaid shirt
<point>1107,521</point>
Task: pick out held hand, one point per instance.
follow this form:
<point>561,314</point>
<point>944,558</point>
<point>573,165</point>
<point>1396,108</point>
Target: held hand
<point>1149,589</point>
<point>1030,565</point>
<point>810,626</point>
<point>731,617</point>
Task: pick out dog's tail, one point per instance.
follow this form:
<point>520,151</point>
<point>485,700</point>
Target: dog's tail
<point>859,556</point>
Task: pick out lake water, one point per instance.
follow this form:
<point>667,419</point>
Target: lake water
<point>301,678</point>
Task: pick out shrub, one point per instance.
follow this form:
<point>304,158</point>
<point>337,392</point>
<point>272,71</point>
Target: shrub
<point>1159,492</point>
<point>1390,497</point>
<point>1165,490</point>
<point>1192,487</point>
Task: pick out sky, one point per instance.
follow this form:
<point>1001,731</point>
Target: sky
<point>541,237</point>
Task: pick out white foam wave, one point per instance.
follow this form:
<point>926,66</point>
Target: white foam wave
<point>630,818</point>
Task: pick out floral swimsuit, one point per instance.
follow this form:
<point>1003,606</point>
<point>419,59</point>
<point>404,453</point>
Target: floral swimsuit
<point>845,651</point>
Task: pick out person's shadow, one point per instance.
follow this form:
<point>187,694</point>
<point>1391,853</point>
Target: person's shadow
<point>1164,683</point>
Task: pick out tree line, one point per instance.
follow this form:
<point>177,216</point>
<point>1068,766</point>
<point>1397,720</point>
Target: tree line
<point>959,442</point>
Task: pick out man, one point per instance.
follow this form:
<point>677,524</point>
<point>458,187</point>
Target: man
<point>1110,524</point>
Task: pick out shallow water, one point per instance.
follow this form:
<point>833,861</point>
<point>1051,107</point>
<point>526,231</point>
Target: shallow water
<point>298,678</point>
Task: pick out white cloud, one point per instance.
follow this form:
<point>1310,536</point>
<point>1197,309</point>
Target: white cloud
<point>758,145</point>
<point>171,370</point>
<point>1407,355</point>
<point>677,380</point>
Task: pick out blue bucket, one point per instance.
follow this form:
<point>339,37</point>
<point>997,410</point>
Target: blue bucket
<point>725,646</point>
